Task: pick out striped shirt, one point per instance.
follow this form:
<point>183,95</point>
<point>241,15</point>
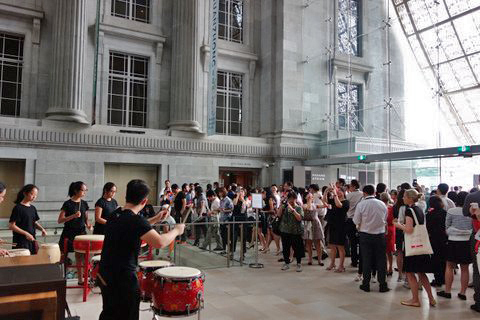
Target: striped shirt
<point>459,227</point>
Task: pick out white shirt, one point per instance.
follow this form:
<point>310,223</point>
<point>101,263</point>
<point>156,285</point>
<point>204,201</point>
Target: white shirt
<point>371,215</point>
<point>447,203</point>
<point>317,200</point>
<point>353,199</point>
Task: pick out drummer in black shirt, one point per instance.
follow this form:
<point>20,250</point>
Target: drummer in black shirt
<point>104,207</point>
<point>123,235</point>
<point>24,219</point>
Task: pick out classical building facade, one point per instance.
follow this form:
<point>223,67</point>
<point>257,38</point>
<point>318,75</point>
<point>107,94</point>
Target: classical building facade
<point>119,90</point>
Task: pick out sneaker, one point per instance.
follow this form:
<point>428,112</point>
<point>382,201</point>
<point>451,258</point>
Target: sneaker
<point>358,278</point>
<point>286,266</point>
<point>374,279</point>
<point>299,267</point>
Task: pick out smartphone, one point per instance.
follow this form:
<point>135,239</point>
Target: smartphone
<point>414,183</point>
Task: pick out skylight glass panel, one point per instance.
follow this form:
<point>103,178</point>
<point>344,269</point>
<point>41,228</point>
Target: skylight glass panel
<point>426,13</point>
<point>463,73</point>
<point>448,78</point>
<point>475,62</point>
<point>405,19</point>
<point>459,6</point>
<point>422,60</point>
<point>468,28</point>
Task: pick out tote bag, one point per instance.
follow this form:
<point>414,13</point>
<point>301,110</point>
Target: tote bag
<point>417,243</point>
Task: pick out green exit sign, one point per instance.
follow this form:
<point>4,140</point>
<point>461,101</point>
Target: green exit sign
<point>362,157</point>
<point>463,149</point>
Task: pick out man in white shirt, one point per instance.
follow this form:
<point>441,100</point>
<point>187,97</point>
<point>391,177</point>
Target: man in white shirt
<point>371,219</point>
<point>353,197</point>
<point>213,212</point>
<point>442,190</point>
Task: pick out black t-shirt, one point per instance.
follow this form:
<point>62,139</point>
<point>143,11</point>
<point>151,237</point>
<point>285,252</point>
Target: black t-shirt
<point>25,218</point>
<point>122,242</point>
<point>70,207</point>
<point>108,207</point>
<point>178,203</point>
<point>147,212</point>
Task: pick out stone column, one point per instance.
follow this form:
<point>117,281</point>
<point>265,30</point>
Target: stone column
<point>66,88</point>
<point>185,53</point>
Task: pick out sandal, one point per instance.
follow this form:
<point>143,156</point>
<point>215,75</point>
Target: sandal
<point>330,268</point>
<point>410,304</point>
<point>340,270</point>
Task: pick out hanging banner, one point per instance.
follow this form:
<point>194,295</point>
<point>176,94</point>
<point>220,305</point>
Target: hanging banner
<point>212,78</point>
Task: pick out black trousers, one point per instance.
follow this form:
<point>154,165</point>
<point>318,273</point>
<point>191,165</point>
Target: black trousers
<point>237,229</point>
<point>476,275</point>
<point>353,240</point>
<point>373,248</point>
<point>294,241</point>
<point>121,297</point>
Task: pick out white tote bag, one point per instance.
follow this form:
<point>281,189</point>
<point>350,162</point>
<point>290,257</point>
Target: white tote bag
<point>417,243</point>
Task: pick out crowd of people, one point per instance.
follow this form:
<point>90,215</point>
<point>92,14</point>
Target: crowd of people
<point>370,224</point>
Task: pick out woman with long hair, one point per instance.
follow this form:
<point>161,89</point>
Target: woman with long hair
<point>420,264</point>
<point>336,218</point>
<point>24,219</point>
<point>313,232</point>
<point>399,216</point>
<point>74,216</point>
<point>435,220</point>
<point>104,207</point>
<point>269,210</point>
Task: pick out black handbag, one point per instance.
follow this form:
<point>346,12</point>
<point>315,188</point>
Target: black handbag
<point>276,225</point>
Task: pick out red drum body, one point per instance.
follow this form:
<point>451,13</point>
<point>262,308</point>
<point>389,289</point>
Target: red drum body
<point>146,278</point>
<point>94,241</point>
<point>178,291</point>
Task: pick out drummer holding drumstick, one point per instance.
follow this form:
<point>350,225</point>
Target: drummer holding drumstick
<point>123,234</point>
<point>75,218</point>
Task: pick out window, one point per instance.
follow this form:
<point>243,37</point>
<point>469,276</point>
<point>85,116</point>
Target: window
<point>349,27</point>
<point>348,106</point>
<point>11,64</point>
<point>229,103</point>
<point>230,15</point>
<point>127,90</point>
<point>138,10</point>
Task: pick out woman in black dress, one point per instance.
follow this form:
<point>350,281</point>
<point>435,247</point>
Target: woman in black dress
<point>435,218</point>
<point>336,218</point>
<point>104,207</point>
<point>24,219</point>
<point>74,216</point>
<point>420,264</point>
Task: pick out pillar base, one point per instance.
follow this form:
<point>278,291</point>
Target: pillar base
<point>70,115</point>
<point>185,125</point>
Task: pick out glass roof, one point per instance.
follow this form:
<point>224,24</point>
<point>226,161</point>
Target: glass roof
<point>445,38</point>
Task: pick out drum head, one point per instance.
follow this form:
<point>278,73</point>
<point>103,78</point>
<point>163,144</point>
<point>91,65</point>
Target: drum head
<point>90,237</point>
<point>49,245</point>
<point>178,272</point>
<point>96,258</point>
<point>154,263</point>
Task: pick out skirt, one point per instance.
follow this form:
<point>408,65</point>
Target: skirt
<point>459,252</point>
<point>419,264</point>
<point>337,235</point>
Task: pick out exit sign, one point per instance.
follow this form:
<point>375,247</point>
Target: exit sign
<point>463,149</point>
<point>362,157</point>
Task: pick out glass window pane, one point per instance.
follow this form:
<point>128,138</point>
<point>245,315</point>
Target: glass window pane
<point>115,117</point>
<point>348,26</point>
<point>8,107</point>
<point>137,119</point>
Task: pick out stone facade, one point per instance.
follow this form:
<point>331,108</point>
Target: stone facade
<point>288,111</point>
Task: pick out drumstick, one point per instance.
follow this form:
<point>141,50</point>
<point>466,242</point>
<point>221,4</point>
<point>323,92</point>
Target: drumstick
<point>186,217</point>
<point>8,244</point>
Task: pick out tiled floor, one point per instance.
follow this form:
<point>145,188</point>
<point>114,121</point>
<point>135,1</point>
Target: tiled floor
<point>269,293</point>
